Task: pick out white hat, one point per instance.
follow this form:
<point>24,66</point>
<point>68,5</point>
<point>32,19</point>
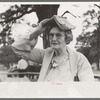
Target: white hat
<point>62,22</point>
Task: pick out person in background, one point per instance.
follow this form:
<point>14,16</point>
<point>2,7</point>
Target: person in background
<point>59,62</point>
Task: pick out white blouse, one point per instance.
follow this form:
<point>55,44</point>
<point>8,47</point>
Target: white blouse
<point>60,73</point>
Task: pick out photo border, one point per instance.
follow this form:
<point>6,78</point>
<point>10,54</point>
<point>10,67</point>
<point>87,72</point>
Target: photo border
<point>48,1</point>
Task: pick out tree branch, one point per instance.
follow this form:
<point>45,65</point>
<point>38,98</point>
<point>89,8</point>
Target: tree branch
<point>17,17</point>
<point>97,6</point>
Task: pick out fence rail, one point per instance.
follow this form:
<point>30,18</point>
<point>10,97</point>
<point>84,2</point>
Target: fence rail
<point>97,76</point>
<point>31,76</point>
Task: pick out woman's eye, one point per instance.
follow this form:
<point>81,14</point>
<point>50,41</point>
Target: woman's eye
<point>51,35</point>
<point>58,35</point>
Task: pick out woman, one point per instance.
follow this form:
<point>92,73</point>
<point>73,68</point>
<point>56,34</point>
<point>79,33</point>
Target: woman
<point>59,62</point>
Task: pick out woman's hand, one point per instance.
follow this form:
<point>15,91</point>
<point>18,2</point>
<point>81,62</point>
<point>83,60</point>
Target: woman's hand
<point>39,30</point>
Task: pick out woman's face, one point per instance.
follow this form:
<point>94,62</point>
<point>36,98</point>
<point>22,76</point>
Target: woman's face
<point>57,38</point>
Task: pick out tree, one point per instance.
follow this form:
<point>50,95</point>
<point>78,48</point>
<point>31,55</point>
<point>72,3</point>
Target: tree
<point>15,15</point>
<point>16,12</point>
<point>7,56</point>
<point>85,51</point>
<point>47,12</point>
<point>90,39</point>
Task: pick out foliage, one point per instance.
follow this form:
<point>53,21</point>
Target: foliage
<point>10,17</point>
<point>16,12</point>
<point>7,55</point>
<point>89,41</point>
<point>85,51</point>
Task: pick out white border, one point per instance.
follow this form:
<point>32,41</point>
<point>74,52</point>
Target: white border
<point>13,89</point>
<point>48,2</point>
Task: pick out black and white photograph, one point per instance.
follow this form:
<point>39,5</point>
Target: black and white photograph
<point>53,46</point>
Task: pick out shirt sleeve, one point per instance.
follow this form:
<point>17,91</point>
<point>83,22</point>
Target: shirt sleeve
<point>35,54</point>
<point>85,72</point>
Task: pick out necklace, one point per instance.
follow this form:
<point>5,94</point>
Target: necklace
<point>55,63</point>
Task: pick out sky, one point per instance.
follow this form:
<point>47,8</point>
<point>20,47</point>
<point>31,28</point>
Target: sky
<point>78,9</point>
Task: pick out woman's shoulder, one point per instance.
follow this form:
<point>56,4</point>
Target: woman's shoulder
<point>75,52</point>
<point>79,54</point>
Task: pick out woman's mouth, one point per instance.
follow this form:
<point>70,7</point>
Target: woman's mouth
<point>54,43</point>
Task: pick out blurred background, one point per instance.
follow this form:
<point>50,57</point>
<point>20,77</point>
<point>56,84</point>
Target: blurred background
<point>18,20</point>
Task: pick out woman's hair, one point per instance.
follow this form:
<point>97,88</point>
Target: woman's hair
<point>68,33</point>
<point>68,36</point>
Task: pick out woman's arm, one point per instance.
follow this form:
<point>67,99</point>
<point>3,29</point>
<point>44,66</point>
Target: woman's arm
<point>25,48</point>
<point>85,72</point>
<point>40,29</point>
<point>27,51</point>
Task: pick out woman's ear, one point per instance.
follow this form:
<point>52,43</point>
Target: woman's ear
<point>67,40</point>
<point>68,37</point>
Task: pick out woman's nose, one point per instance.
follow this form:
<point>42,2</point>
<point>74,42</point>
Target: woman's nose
<point>54,37</point>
